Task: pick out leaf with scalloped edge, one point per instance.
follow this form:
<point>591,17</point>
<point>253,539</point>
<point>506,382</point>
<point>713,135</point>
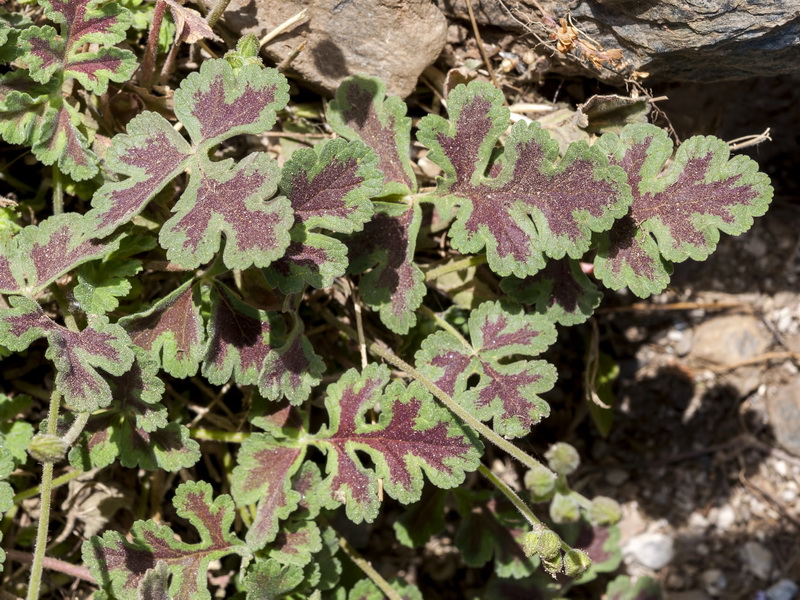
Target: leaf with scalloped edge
<point>678,210</point>
<point>270,580</point>
<point>421,520</point>
<point>367,590</point>
<point>119,564</point>
<point>263,474</point>
<point>413,434</point>
<point>362,112</point>
<point>507,392</point>
<point>135,430</point>
<point>239,338</point>
<point>561,291</point>
<point>296,542</point>
<point>394,285</point>
<point>172,331</point>
<point>40,254</point>
<point>329,188</point>
<point>213,105</point>
<point>223,198</point>
<point>529,202</point>
<point>76,355</point>
<point>292,369</point>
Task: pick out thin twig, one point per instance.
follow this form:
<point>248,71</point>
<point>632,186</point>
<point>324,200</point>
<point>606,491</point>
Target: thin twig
<point>756,360</point>
<point>368,570</point>
<point>647,307</point>
<point>481,49</point>
<point>283,27</point>
<point>749,140</point>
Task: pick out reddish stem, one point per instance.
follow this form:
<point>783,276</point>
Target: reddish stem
<point>151,51</point>
<point>53,564</point>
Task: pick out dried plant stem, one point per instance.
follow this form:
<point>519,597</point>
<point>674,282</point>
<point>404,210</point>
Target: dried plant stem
<point>481,49</point>
<point>283,27</point>
<point>368,570</point>
<point>53,564</point>
<point>151,50</point>
<point>37,565</point>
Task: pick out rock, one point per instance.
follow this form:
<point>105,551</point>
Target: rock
<point>714,581</point>
<point>652,550</point>
<point>671,40</point>
<point>687,595</point>
<point>757,559</point>
<point>391,39</point>
<point>724,517</point>
<point>729,339</point>
<point>616,477</point>
<point>784,589</point>
<point>783,408</point>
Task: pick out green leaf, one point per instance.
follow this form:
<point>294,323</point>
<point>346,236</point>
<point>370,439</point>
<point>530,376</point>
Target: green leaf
<point>120,564</point>
<point>296,542</point>
<point>507,390</point>
<point>367,590</point>
<point>271,580</point>
<point>526,203</point>
<point>627,588</point>
<point>292,369</point>
<point>421,520</point>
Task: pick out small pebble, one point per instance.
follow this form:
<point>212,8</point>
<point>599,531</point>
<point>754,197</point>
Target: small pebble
<point>757,559</point>
<point>785,589</point>
<point>652,550</point>
<point>616,476</point>
<point>725,518</point>
<point>714,581</point>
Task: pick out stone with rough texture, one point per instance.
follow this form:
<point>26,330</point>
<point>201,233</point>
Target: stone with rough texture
<point>729,339</point>
<point>652,550</point>
<point>672,40</point>
<point>783,408</point>
<point>391,39</point>
<point>757,559</point>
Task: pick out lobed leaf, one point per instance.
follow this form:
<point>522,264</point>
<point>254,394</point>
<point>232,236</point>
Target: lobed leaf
<point>528,202</point>
<point>120,564</point>
<point>412,435</point>
<point>135,430</point>
<point>507,392</point>
<point>171,331</point>
<point>677,210</point>
<point>561,291</point>
<point>362,112</point>
<point>296,542</point>
<point>329,188</point>
<point>190,24</point>
<point>270,580</point>
<point>292,369</point>
<point>394,285</point>
<point>76,355</point>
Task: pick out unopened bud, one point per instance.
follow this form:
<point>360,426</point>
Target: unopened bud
<point>46,448</point>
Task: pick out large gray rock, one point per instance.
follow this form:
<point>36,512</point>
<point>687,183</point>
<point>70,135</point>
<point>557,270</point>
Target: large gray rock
<point>672,40</point>
<point>391,39</point>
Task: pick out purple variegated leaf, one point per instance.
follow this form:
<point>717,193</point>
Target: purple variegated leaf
<point>561,291</point>
<point>394,285</point>
<point>171,331</point>
<point>42,253</point>
<point>135,429</point>
<point>292,369</point>
<point>60,141</point>
<point>121,564</point>
<point>87,21</point>
<point>413,434</point>
<point>362,112</point>
<point>507,392</point>
<point>296,543</point>
<point>76,355</point>
<point>150,155</point>
<point>23,104</point>
<point>239,339</point>
<point>189,24</point>
<point>264,474</point>
<point>311,259</point>
<point>529,202</point>
<point>677,210</point>
<point>223,199</point>
<point>219,102</point>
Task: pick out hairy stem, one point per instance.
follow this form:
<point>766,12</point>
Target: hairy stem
<point>35,581</point>
<point>151,50</point>
<point>53,564</point>
<point>452,267</point>
<point>76,429</point>
<point>369,570</point>
<point>216,12</point>
<point>58,191</point>
<point>447,327</point>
